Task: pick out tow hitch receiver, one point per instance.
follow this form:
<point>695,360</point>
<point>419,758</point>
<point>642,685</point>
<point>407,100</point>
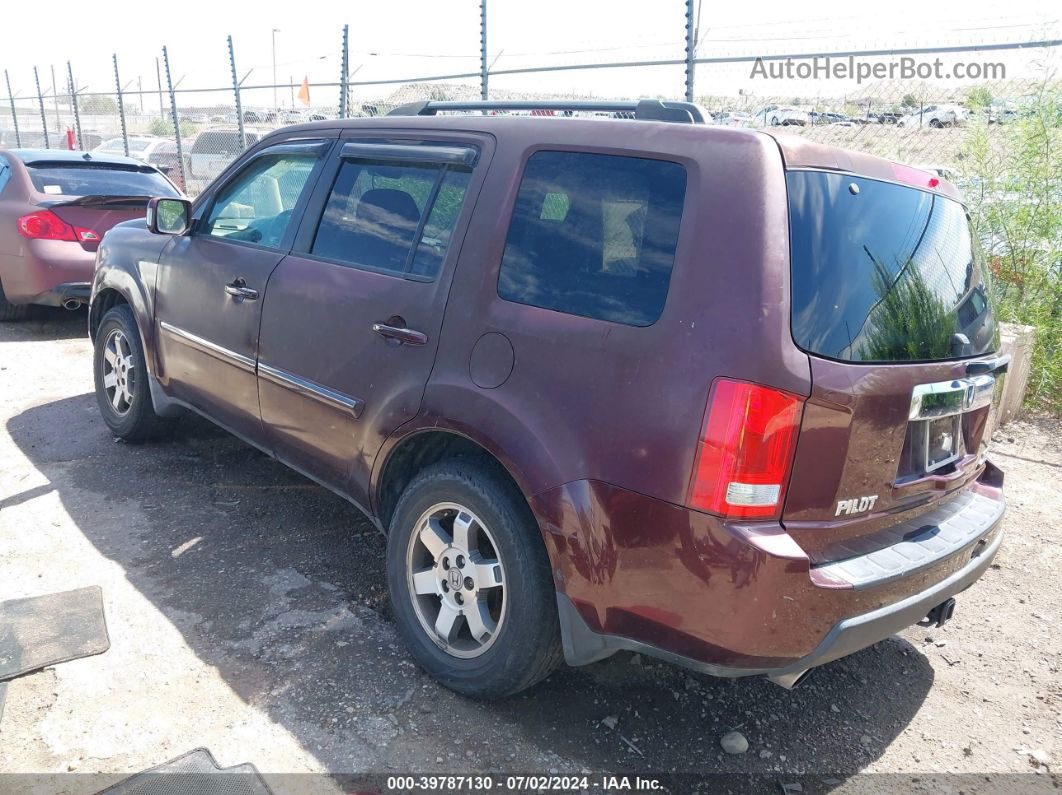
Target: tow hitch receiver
<point>939,615</point>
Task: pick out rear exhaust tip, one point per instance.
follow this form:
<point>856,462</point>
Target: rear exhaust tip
<point>791,680</point>
<point>71,303</point>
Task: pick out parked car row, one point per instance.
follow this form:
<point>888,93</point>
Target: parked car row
<point>604,384</point>
<point>935,116</point>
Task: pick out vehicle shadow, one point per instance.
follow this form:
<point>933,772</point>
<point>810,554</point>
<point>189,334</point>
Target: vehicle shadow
<point>279,584</point>
<point>47,323</point>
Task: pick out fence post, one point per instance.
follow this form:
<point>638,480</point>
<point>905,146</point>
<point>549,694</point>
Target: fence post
<point>483,88</point>
<point>176,124</point>
<point>14,113</point>
<point>121,106</point>
<point>40,101</point>
<point>158,78</point>
<point>344,72</point>
<point>73,105</point>
<point>236,91</point>
<point>691,45</point>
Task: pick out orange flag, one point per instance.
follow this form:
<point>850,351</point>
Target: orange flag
<point>304,92</point>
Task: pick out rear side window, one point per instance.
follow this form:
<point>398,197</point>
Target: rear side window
<point>391,217</point>
<point>884,272</point>
<point>98,179</point>
<point>5,174</point>
<point>594,235</point>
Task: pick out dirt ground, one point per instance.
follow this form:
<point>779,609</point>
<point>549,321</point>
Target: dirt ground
<point>247,613</point>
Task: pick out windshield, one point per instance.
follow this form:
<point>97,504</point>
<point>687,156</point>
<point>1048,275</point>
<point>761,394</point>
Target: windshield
<point>99,179</point>
<point>884,272</point>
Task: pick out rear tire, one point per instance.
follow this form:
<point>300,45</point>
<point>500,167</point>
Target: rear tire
<point>9,311</point>
<point>502,633</point>
<point>120,372</point>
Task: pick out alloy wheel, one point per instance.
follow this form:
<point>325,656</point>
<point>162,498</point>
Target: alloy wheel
<point>456,580</point>
<point>119,372</point>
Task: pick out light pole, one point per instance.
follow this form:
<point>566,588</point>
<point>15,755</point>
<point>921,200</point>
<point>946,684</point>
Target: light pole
<point>275,32</point>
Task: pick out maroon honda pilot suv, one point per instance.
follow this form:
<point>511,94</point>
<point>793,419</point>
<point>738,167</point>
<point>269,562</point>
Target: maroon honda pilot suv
<point>705,393</point>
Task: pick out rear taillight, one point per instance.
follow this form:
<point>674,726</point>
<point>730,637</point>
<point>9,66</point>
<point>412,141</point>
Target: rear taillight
<point>745,451</point>
<point>45,225</point>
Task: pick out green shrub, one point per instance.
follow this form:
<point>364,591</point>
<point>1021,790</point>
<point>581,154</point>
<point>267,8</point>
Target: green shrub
<point>164,128</point>
<point>1015,199</point>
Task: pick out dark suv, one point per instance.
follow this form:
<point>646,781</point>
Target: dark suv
<point>702,392</point>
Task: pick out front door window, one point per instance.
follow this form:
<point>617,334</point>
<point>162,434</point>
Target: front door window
<point>256,207</point>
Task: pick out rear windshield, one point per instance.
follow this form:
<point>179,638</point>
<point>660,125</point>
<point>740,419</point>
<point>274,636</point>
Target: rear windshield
<point>98,179</point>
<point>884,273</point>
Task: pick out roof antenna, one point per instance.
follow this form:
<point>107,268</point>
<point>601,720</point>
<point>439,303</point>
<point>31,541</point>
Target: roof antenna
<point>87,156</point>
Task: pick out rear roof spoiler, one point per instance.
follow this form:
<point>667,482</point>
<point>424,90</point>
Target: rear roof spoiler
<point>90,162</point>
<point>97,200</point>
<point>642,109</point>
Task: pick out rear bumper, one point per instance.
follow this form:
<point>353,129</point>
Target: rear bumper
<point>747,603</point>
<point>61,293</point>
<point>46,270</point>
<point>852,634</point>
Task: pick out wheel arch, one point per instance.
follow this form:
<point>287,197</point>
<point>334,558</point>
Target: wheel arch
<point>105,300</point>
<point>410,453</point>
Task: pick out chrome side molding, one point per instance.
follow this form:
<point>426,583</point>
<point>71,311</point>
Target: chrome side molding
<point>275,375</point>
<point>303,386</point>
<point>206,346</point>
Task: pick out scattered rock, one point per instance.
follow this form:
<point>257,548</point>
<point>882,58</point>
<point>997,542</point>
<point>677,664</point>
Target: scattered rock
<point>834,708</point>
<point>1039,758</point>
<point>610,721</point>
<point>765,754</point>
<point>734,743</point>
<point>866,739</point>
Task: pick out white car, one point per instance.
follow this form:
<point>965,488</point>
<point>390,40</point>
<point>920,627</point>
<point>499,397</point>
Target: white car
<point>936,116</point>
<point>733,118</point>
<point>142,147</point>
<point>780,116</point>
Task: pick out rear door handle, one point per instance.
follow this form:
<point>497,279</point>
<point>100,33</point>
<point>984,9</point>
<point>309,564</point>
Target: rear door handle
<point>400,334</point>
<point>239,290</point>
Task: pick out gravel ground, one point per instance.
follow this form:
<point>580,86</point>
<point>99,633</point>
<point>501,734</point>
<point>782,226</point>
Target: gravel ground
<point>247,613</point>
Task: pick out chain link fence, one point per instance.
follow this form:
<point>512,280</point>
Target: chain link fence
<point>996,135</point>
<point>193,132</point>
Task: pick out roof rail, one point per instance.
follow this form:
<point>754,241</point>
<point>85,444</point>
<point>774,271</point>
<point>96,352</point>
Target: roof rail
<point>643,109</point>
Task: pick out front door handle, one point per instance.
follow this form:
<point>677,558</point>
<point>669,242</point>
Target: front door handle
<point>400,334</point>
<point>239,290</point>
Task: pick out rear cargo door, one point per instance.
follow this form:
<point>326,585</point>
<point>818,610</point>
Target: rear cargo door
<point>891,302</point>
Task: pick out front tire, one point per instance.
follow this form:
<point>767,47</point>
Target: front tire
<point>470,582</point>
<point>121,377</point>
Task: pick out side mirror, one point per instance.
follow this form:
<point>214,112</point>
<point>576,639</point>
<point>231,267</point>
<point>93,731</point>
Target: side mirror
<point>166,216</point>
